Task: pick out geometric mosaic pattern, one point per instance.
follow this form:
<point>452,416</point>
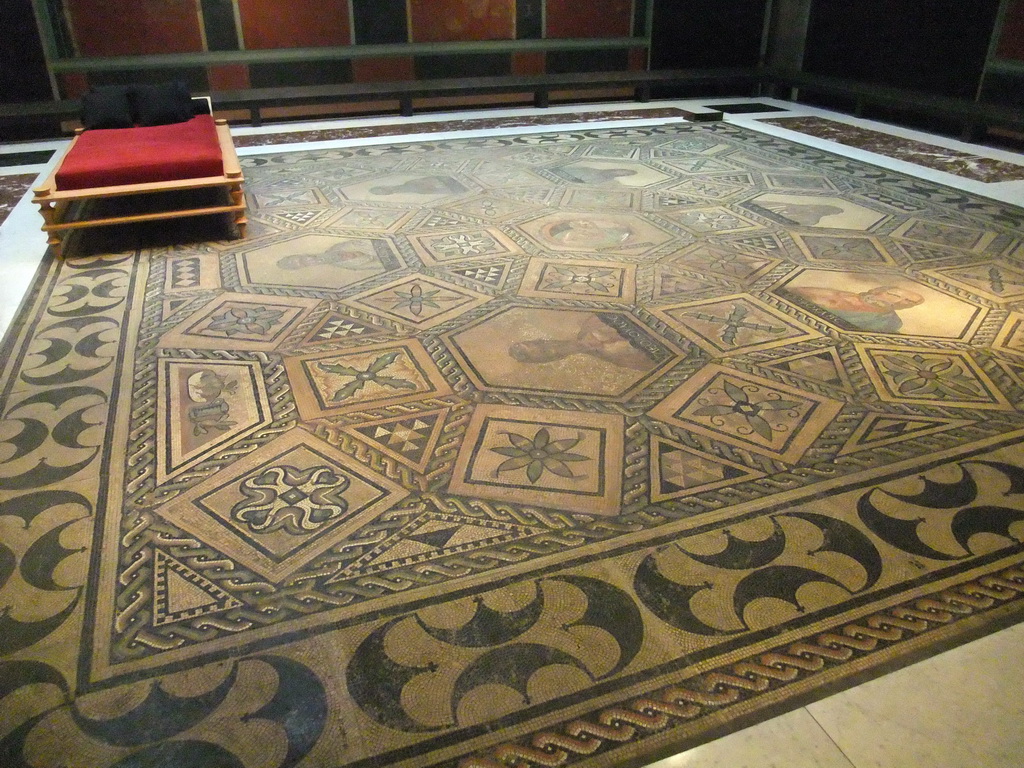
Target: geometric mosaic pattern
<point>507,451</point>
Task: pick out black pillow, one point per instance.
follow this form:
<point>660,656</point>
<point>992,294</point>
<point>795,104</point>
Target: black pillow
<point>107,107</point>
<point>162,104</point>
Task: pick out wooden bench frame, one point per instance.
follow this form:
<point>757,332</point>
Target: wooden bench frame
<point>60,215</point>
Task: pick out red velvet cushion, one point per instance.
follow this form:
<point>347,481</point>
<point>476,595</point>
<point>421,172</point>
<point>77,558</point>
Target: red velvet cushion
<point>116,156</point>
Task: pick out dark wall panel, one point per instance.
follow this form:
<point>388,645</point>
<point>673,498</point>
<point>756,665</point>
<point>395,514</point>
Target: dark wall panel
<point>299,73</point>
<point>219,23</point>
<point>706,33</point>
<point>380,22</point>
<point>529,19</point>
<point>1004,89</point>
<point>194,77</point>
<point>938,46</point>
<point>185,26</point>
<point>465,65</point>
<point>565,62</point>
<point>22,65</point>
<point>640,17</point>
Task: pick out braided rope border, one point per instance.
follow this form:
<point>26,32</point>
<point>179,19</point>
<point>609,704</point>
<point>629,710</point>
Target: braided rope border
<point>642,716</point>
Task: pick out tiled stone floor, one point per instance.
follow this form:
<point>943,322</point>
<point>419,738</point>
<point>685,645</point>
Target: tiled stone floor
<point>968,165</point>
<point>961,708</point>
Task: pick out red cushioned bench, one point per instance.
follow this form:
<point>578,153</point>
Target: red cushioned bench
<point>116,162</point>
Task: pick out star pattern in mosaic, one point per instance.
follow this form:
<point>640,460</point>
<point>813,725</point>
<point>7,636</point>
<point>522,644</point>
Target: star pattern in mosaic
<point>843,249</point>
<point>714,219</point>
<point>432,535</point>
<point>337,326</point>
<point>878,430</point>
<point>725,259</point>
<point>947,235</point>
<point>490,274</point>
<point>823,366</point>
<point>540,457</point>
<point>559,278</point>
<point>441,247</point>
<point>410,440</point>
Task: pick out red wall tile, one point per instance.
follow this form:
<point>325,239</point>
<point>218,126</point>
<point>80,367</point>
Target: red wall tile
<point>295,23</point>
<point>637,58</point>
<point>228,77</point>
<point>383,70</point>
<point>435,21</point>
<point>134,27</point>
<point>528,63</point>
<point>72,84</point>
<point>596,18</point>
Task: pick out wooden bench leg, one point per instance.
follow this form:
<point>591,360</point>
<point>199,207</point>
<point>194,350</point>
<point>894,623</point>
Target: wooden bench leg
<point>49,214</point>
<point>238,198</point>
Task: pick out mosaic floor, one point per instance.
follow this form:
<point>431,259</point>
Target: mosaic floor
<point>560,449</point>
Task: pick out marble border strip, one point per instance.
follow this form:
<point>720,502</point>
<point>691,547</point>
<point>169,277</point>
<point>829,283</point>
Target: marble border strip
<point>963,164</point>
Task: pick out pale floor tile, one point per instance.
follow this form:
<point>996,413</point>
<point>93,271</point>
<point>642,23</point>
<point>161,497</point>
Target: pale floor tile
<point>22,245</point>
<point>792,740</point>
<point>957,710</point>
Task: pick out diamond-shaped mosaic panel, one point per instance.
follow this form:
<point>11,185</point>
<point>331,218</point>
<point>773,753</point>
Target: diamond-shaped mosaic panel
<point>950,378</point>
<point>239,322</point>
<point>995,280</point>
<point>283,504</point>
<point>748,411</point>
<point>738,323</point>
<point>330,383</point>
<point>419,300</point>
